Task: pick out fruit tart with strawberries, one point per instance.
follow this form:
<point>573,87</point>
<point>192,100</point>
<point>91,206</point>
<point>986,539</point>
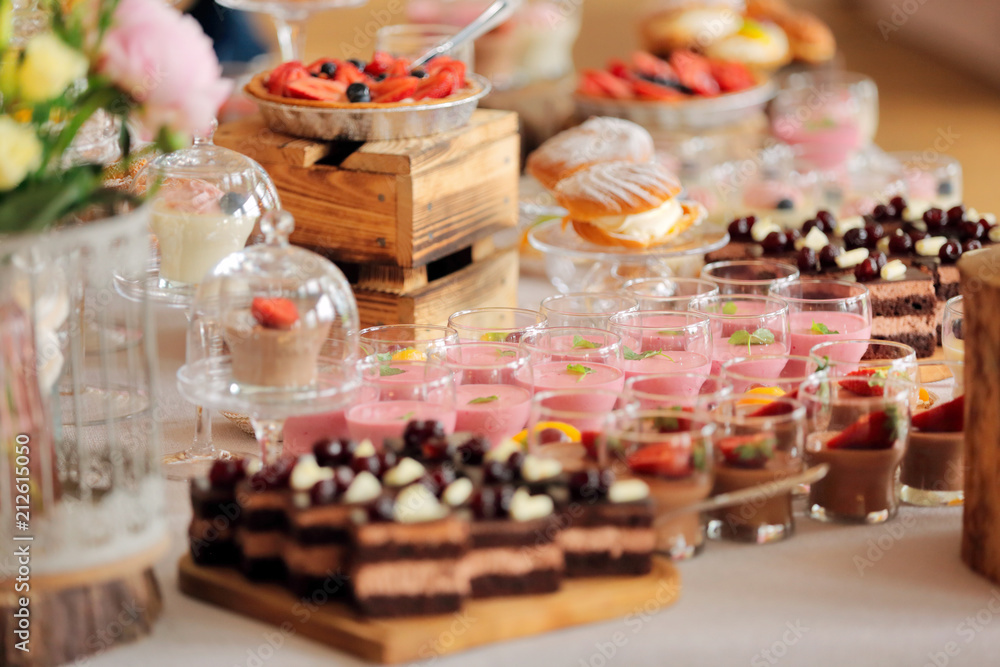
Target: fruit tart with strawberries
<point>333,98</point>
<point>687,89</point>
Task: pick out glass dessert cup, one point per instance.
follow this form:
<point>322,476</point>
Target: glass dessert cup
<point>862,437</point>
<point>668,293</point>
<point>573,358</point>
<point>413,40</point>
<point>825,116</point>
<point>566,425</point>
<point>656,342</point>
<point>952,336</point>
<point>844,357</point>
<point>209,201</point>
<point>677,390</point>
<point>824,310</point>
<point>748,276</point>
<point>394,393</point>
<point>405,342</point>
<point>495,325</point>
<point>933,468</point>
<point>585,309</point>
<point>493,388</point>
<point>675,458</point>
<point>931,178</point>
<point>757,444</point>
<point>745,325</point>
<point>753,375</point>
<point>273,334</point>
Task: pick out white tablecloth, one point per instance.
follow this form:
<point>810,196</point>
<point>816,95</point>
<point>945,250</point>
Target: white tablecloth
<point>895,594</point>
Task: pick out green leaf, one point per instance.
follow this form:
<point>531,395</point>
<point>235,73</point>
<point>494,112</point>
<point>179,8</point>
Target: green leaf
<point>581,343</point>
<point>639,356</point>
<point>763,448</point>
<point>506,353</point>
<point>484,399</point>
<point>670,332</point>
<point>820,328</point>
<point>729,308</point>
<point>698,458</point>
<point>408,416</point>
<point>384,356</point>
<point>579,369</point>
<point>741,337</point>
<point>761,336</point>
<point>33,206</point>
<point>386,371</point>
<point>494,337</point>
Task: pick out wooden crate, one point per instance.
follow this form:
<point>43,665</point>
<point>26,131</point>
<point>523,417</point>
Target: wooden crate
<point>399,203</point>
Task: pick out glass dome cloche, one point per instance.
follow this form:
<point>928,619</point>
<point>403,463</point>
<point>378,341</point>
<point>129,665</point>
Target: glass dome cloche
<point>273,334</point>
<point>206,203</point>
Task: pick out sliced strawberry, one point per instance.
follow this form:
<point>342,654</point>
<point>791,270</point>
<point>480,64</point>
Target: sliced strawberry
<point>274,313</point>
<point>395,89</point>
<point>648,90</point>
<point>694,72</point>
<point>618,67</point>
<point>731,76</point>
<point>587,85</point>
<point>661,461</point>
<point>400,68</point>
<point>312,88</point>
<point>380,63</point>
<point>748,451</point>
<point>457,67</point>
<point>945,418</point>
<point>876,430</point>
<point>773,409</point>
<point>864,382</point>
<point>610,85</point>
<point>283,74</point>
<point>348,73</point>
<point>589,441</point>
<point>437,85</point>
<point>650,66</point>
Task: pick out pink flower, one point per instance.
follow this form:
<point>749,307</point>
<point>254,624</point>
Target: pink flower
<point>165,62</point>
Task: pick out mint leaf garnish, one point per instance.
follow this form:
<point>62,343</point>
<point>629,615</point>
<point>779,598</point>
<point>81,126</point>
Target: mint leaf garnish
<point>741,337</point>
<point>484,399</point>
<point>506,353</point>
<point>386,371</point>
<point>494,337</point>
<point>581,343</point>
<point>761,336</point>
<point>729,308</point>
<point>384,356</point>
<point>579,369</point>
<point>698,458</point>
<point>408,416</point>
<point>822,329</point>
<point>639,356</point>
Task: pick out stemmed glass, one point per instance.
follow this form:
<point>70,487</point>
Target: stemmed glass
<point>289,18</point>
<point>745,325</point>
<point>585,309</point>
<point>820,311</point>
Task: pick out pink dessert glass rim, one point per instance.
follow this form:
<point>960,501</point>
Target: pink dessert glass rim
<point>634,287</point>
<point>538,320</point>
<point>435,371</point>
<point>384,334</point>
<point>798,412</point>
<point>789,269</point>
<point>539,399</point>
<point>897,390</point>
<point>725,388</point>
<point>780,291</point>
<point>698,306</point>
<point>728,373</point>
<point>612,344</point>
<point>701,320</point>
<point>702,426</point>
<point>502,361</point>
<point>629,302</point>
<point>815,80</point>
<point>823,360</point>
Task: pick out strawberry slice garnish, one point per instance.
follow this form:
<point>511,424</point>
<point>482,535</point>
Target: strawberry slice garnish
<point>652,67</point>
<point>694,72</point>
<point>876,430</point>
<point>438,85</point>
<point>274,313</point>
<point>348,73</point>
<point>731,76</point>
<point>661,460</point>
<point>395,89</point>
<point>589,441</point>
<point>311,88</point>
<point>618,67</point>
<point>609,85</point>
<point>380,63</point>
<point>442,63</point>
<point>773,409</point>
<point>284,74</point>
<point>865,382</point>
<point>945,418</point>
<point>748,451</point>
<point>587,85</point>
<point>648,90</point>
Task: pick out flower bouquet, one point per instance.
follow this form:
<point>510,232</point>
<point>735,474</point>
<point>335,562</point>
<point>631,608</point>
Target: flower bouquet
<point>140,61</point>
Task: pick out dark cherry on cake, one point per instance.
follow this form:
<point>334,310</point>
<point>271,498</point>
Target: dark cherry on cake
<point>216,514</point>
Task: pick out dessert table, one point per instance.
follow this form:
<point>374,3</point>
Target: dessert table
<point>891,594</point>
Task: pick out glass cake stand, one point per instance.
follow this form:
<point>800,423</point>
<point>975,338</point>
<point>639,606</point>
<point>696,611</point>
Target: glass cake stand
<point>575,265</point>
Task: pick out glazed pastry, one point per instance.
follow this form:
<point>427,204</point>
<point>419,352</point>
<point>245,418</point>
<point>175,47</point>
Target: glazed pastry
<point>626,204</point>
<point>687,24</point>
<point>761,45</point>
<point>809,38</point>
<point>597,140</point>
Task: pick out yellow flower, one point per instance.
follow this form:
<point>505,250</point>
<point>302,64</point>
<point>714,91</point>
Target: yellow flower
<point>49,67</point>
<point>21,151</point>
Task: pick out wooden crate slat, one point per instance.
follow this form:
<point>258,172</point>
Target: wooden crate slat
<point>252,137</point>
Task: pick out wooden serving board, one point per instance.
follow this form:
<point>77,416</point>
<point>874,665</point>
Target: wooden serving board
<point>480,622</point>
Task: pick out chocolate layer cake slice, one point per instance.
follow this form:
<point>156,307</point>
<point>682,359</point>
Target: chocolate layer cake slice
<point>406,556</point>
<point>607,525</point>
<point>215,514</point>
<point>905,309</point>
<point>264,499</point>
